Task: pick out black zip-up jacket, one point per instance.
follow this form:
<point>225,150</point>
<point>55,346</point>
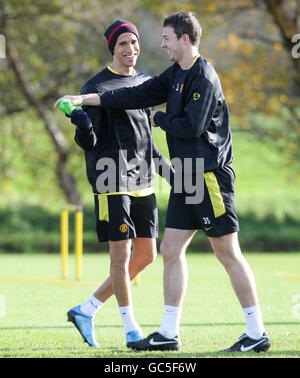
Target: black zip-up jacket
<point>121,135</point>
<point>197,118</point>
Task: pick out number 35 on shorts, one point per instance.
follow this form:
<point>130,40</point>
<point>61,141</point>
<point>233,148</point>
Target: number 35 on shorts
<point>206,220</point>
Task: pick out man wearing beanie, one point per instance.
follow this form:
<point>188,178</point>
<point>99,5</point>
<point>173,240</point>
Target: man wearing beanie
<point>125,211</point>
<point>117,28</point>
<point>197,126</point>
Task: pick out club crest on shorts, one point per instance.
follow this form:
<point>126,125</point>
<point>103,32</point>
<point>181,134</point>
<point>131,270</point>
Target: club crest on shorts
<point>123,227</point>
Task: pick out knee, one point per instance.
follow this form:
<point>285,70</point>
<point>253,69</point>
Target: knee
<point>119,265</point>
<point>149,257</point>
<point>219,253</point>
<point>228,256</point>
<point>144,256</point>
<point>119,258</point>
<point>169,251</point>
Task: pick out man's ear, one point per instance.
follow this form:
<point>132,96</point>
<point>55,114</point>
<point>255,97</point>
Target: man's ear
<point>186,39</point>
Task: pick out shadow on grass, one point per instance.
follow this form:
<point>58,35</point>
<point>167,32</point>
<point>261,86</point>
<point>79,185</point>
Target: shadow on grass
<point>228,324</point>
<point>107,354</point>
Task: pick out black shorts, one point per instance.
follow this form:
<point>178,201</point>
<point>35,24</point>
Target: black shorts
<point>121,217</point>
<point>215,215</point>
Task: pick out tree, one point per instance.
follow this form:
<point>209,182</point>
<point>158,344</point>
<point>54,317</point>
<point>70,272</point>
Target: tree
<point>250,43</point>
<point>54,47</point>
<point>288,23</point>
<point>51,47</point>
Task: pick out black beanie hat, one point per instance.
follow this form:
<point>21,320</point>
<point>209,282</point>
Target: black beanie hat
<point>114,30</point>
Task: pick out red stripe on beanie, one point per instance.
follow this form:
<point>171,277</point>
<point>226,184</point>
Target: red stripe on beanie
<point>117,28</point>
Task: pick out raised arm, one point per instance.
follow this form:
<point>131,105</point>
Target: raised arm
<point>150,93</point>
<point>91,99</point>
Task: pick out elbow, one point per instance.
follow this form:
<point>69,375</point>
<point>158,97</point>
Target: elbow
<point>90,146</point>
<point>198,133</point>
<point>86,145</point>
<point>197,129</point>
<point>193,128</point>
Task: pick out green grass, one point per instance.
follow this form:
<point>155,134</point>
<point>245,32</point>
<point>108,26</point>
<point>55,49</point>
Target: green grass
<point>33,322</point>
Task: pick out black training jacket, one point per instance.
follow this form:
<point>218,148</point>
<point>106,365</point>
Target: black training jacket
<point>196,120</point>
<point>121,135</point>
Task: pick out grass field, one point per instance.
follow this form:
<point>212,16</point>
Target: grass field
<point>34,301</point>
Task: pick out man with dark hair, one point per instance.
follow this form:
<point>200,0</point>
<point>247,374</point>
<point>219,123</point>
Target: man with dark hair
<point>185,23</point>
<point>197,127</point>
<point>125,203</point>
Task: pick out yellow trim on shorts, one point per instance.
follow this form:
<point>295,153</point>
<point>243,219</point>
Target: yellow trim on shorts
<point>103,208</point>
<point>103,201</point>
<point>214,194</point>
<point>135,193</point>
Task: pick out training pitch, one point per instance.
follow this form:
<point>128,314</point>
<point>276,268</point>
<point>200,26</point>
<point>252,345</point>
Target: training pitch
<point>34,300</point>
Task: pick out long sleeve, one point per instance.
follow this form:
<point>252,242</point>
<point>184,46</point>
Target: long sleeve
<point>85,136</point>
<point>198,112</point>
<point>150,93</point>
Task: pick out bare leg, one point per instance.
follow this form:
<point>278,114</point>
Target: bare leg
<point>227,250</point>
<point>173,249</point>
<point>119,274</point>
<point>144,253</point>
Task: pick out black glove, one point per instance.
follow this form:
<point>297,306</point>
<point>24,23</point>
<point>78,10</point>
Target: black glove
<point>81,119</point>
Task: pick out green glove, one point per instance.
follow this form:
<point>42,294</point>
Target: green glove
<point>66,107</point>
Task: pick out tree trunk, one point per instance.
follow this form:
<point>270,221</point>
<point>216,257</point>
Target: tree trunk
<point>288,27</point>
<point>66,180</point>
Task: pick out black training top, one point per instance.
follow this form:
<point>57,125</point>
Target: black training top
<point>123,136</point>
<point>196,119</point>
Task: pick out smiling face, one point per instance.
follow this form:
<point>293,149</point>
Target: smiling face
<point>173,45</point>
<point>126,50</point>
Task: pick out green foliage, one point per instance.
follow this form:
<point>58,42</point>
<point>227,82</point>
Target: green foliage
<point>60,44</point>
